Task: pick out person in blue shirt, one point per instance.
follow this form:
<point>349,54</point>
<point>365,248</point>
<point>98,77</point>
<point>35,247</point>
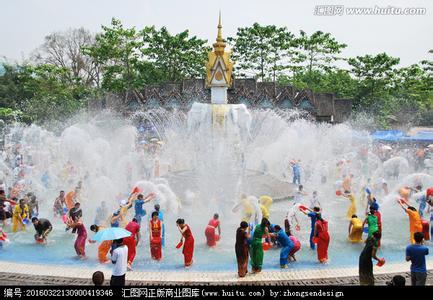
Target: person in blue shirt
<point>45,179</point>
<point>286,245</point>
<point>415,253</point>
<point>296,172</point>
<point>115,219</point>
<point>422,200</point>
<point>140,212</point>
<point>312,214</point>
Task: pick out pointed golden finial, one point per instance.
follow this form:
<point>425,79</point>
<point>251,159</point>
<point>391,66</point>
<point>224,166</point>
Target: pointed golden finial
<point>219,46</point>
<point>220,35</point>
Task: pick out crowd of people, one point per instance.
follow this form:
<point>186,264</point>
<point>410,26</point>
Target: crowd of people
<point>255,235</point>
<point>249,238</point>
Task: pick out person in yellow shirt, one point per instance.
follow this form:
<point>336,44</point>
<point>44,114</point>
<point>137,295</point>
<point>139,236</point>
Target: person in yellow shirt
<point>265,206</point>
<point>352,208</point>
<point>415,222</point>
<point>266,201</point>
<point>247,208</point>
<point>20,214</point>
<point>265,211</point>
<point>124,207</point>
<point>119,218</point>
<point>355,229</point>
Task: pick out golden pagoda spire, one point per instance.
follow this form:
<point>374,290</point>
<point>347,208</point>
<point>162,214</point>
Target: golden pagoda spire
<point>220,35</point>
<point>219,46</point>
<point>219,67</point>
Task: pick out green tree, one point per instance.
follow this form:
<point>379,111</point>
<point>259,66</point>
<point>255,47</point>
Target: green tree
<point>336,81</point>
<point>40,93</point>
<point>428,65</point>
<point>11,87</point>
<point>9,115</point>
<point>412,85</point>
<point>54,97</point>
<point>317,52</point>
<point>375,76</point>
<point>117,52</point>
<point>176,56</point>
<point>262,51</point>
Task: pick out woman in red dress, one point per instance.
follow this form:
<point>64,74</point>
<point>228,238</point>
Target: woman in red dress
<point>188,243</point>
<point>322,238</point>
<point>155,237</point>
<point>131,241</point>
<point>80,242</point>
<point>211,236</point>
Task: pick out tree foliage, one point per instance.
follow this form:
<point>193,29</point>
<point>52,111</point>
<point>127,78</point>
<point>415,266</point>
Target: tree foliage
<point>387,91</point>
<point>71,66</point>
<point>38,93</point>
<point>375,77</point>
<point>317,52</point>
<point>116,52</point>
<point>176,56</point>
<point>339,82</point>
<point>262,51</point>
<point>131,58</point>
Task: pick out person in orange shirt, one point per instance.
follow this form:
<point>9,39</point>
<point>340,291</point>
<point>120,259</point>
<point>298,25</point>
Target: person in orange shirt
<point>70,199</point>
<point>104,247</point>
<point>347,182</point>
<point>414,219</point>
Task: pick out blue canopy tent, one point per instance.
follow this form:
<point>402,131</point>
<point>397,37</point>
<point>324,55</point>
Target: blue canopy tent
<point>388,135</point>
<point>421,136</point>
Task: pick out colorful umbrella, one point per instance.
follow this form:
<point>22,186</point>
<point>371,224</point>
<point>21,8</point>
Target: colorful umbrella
<point>110,234</point>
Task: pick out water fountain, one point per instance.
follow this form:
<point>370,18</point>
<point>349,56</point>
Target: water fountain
<point>199,164</point>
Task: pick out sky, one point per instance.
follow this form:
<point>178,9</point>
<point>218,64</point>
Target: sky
<point>25,23</point>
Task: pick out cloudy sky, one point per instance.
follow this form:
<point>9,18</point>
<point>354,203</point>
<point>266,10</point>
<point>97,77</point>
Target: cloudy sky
<point>24,23</point>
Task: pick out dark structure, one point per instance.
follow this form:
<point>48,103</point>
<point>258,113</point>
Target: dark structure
<point>260,95</point>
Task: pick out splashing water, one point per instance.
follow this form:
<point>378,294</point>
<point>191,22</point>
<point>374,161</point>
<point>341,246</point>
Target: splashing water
<point>198,169</point>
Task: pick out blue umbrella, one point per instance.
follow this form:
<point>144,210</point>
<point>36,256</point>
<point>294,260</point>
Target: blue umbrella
<point>112,233</point>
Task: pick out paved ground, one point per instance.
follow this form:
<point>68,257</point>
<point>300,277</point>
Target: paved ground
<point>19,279</point>
<point>33,274</point>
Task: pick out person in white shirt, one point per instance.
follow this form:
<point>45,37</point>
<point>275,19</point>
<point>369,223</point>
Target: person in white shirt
<point>291,218</point>
<point>299,195</point>
<point>314,201</point>
<point>119,257</point>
